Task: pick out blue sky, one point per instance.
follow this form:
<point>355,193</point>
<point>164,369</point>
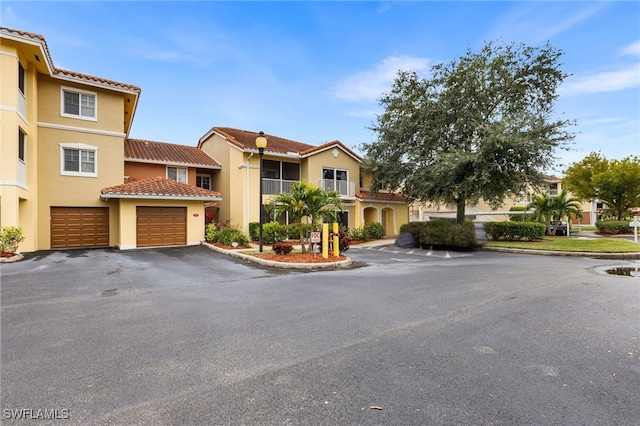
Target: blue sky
<point>314,71</point>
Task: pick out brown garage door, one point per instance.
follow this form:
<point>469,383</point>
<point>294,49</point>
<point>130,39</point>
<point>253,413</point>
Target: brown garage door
<point>161,226</point>
<point>73,227</point>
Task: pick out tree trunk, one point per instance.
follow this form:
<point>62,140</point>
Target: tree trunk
<point>460,210</point>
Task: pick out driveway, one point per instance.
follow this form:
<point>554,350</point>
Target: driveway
<point>189,336</point>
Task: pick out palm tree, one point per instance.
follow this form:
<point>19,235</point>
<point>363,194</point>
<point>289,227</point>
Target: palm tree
<point>543,209</point>
<point>564,205</point>
<point>306,200</point>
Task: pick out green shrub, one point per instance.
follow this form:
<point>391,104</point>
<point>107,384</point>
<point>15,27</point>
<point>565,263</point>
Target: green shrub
<point>282,248</point>
<point>613,227</point>
<point>373,230</point>
<point>10,238</point>
<point>517,217</point>
<point>357,234</point>
<point>443,233</point>
<point>292,231</point>
<point>254,230</point>
<point>226,235</point>
<point>273,232</point>
<point>515,231</point>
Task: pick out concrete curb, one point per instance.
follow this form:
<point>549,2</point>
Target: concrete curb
<point>283,265</point>
<point>15,258</point>
<point>619,256</point>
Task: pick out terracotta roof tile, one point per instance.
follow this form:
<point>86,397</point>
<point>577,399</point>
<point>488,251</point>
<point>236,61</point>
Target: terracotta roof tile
<point>22,33</point>
<point>159,187</point>
<point>383,196</point>
<point>329,145</point>
<point>162,152</point>
<point>247,140</point>
<point>94,79</point>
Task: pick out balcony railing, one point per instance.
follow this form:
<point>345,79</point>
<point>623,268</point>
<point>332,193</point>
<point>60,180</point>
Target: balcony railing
<point>22,173</point>
<point>22,104</point>
<point>344,188</point>
<point>276,186</point>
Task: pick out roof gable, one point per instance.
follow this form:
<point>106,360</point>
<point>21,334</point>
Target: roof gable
<point>330,145</point>
<point>145,151</point>
<point>246,140</point>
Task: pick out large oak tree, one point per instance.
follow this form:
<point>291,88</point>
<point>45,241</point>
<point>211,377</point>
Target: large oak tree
<point>481,127</point>
<point>614,182</point>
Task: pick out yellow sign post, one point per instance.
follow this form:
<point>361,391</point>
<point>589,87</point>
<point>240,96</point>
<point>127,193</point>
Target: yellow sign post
<point>336,240</point>
<point>325,240</point>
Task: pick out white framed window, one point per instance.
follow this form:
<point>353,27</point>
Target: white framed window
<point>78,159</point>
<point>77,103</point>
<point>203,181</point>
<point>179,174</point>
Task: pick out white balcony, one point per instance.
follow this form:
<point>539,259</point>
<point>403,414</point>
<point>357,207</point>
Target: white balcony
<point>22,173</point>
<point>22,105</point>
<point>276,186</point>
<point>344,188</point>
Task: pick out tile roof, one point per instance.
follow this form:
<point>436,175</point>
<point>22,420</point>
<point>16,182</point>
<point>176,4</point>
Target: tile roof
<point>247,140</point>
<point>383,196</point>
<point>167,153</point>
<point>330,145</point>
<point>159,187</point>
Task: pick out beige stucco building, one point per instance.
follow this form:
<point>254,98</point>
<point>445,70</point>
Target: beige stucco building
<point>62,171</point>
<point>331,166</point>
<point>483,212</point>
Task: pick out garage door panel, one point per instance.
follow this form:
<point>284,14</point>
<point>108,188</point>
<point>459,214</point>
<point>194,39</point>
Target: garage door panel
<point>161,226</point>
<point>76,227</point>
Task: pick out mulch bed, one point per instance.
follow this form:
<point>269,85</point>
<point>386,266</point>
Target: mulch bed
<point>300,258</point>
<point>5,254</point>
<point>268,254</point>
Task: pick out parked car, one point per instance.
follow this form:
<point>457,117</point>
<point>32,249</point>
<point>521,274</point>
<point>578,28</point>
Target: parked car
<point>559,228</point>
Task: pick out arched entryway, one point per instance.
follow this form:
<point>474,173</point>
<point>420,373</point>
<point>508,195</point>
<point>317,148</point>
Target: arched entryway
<point>388,220</point>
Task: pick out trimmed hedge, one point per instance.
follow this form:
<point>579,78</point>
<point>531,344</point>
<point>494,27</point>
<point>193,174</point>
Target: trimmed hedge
<point>613,227</point>
<point>515,231</point>
<point>443,233</point>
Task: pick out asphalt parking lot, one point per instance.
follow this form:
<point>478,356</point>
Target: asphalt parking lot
<point>189,336</point>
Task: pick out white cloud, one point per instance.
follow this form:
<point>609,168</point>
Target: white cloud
<point>606,81</point>
<point>632,49</point>
<point>368,85</point>
<point>541,21</point>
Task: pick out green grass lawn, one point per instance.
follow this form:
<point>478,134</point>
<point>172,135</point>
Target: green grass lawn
<point>575,244</point>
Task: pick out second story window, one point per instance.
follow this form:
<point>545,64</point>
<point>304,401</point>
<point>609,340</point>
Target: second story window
<point>22,145</point>
<point>78,160</point>
<point>78,104</point>
<point>179,174</point>
<point>203,181</point>
<point>553,189</point>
